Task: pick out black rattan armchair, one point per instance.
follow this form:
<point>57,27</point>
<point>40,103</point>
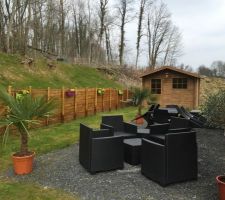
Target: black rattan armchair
<point>171,162</point>
<point>179,123</point>
<point>120,128</point>
<point>157,132</point>
<point>99,150</point>
<point>161,116</point>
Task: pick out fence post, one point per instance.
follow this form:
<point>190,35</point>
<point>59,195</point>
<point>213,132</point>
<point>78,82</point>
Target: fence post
<point>122,100</point>
<point>9,90</point>
<point>103,102</point>
<point>110,100</point>
<point>30,89</point>
<point>117,100</point>
<point>62,105</point>
<point>75,103</point>
<point>127,94</point>
<point>86,101</point>
<point>96,101</point>
<point>48,98</point>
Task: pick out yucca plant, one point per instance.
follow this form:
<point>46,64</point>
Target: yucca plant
<point>22,113</point>
<point>139,96</point>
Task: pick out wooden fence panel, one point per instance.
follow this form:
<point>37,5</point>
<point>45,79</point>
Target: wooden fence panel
<point>106,100</point>
<point>80,102</point>
<point>84,102</point>
<point>91,93</point>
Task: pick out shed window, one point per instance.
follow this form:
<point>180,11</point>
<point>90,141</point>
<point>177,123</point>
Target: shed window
<point>156,86</point>
<point>180,83</point>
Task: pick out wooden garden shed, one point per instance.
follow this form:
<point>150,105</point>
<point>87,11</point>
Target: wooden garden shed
<point>173,86</point>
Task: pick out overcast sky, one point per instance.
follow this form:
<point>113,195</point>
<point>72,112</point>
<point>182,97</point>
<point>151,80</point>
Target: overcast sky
<point>202,24</point>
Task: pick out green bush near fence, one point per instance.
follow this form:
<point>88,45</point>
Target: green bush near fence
<point>214,109</point>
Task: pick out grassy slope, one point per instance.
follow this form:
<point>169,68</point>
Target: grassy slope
<point>12,72</point>
<point>210,85</point>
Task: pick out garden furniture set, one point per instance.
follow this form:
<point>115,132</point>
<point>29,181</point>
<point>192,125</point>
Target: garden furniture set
<point>167,153</point>
<point>156,114</point>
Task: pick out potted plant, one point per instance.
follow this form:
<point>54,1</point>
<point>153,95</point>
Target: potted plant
<point>21,93</point>
<point>70,93</point>
<point>21,113</point>
<point>138,98</point>
<point>221,186</point>
<point>100,91</point>
<point>120,92</point>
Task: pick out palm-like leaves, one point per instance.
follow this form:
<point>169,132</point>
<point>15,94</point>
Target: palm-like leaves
<point>139,96</point>
<point>25,111</point>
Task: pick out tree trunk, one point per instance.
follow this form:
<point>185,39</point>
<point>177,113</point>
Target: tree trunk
<point>24,143</point>
<point>121,49</point>
<point>107,41</point>
<point>62,28</point>
<point>89,32</point>
<point>139,31</point>
<point>139,109</point>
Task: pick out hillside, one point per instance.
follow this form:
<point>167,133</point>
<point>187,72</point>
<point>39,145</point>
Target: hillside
<point>39,75</point>
<point>18,75</point>
<point>210,85</point>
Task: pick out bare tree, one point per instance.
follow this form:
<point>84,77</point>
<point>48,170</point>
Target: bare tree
<point>62,26</point>
<point>163,37</point>
<point>2,27</point>
<point>203,70</point>
<point>102,16</point>
<point>124,9</point>
<point>89,31</point>
<point>139,29</point>
<point>185,67</point>
<point>173,47</point>
<point>10,8</point>
<point>70,29</point>
<point>218,67</point>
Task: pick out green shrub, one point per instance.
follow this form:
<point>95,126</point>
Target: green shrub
<point>214,109</point>
<point>140,95</point>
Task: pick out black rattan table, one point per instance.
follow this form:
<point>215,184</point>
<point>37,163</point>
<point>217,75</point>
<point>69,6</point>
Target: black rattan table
<point>132,150</point>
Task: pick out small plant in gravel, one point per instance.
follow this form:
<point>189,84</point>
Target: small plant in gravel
<point>214,110</point>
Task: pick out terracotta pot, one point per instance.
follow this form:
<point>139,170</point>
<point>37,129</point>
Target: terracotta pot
<point>23,165</point>
<point>221,186</point>
<point>140,120</point>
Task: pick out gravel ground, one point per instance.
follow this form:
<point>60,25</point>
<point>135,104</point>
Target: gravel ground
<point>61,169</point>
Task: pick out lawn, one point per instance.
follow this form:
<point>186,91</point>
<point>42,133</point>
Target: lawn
<point>54,137</point>
<point>12,190</point>
<point>43,141</point>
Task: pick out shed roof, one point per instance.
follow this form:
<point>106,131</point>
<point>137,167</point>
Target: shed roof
<point>172,69</point>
